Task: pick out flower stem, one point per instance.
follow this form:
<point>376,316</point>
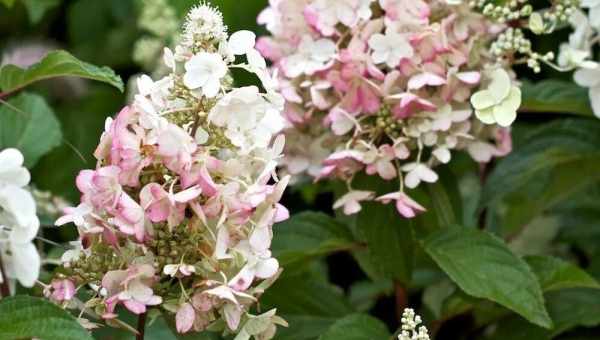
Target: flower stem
<point>4,289</point>
<point>141,326</point>
<point>401,299</point>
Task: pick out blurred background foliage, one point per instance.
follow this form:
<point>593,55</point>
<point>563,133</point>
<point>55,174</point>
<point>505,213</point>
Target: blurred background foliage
<point>542,200</point>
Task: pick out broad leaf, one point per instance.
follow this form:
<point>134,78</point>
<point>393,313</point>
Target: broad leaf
<point>484,267</point>
<point>569,308</point>
<point>554,273</point>
<point>55,64</point>
<point>555,96</point>
<point>357,327</point>
<point>37,8</point>
<point>29,124</point>
<point>308,303</point>
<point>539,174</point>
<point>29,317</point>
<point>390,240</point>
<point>308,235</point>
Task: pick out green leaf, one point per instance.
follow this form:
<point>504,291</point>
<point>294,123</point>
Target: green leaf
<point>29,317</point>
<point>309,235</point>
<point>555,96</point>
<point>390,240</point>
<point>357,327</point>
<point>483,266</point>
<point>308,303</point>
<point>8,3</point>
<point>568,308</point>
<point>554,273</point>
<point>37,8</point>
<point>55,64</point>
<point>539,174</point>
<point>29,124</point>
<point>364,294</point>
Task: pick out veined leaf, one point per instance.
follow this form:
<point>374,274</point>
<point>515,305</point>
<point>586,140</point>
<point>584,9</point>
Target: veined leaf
<point>29,317</point>
<point>554,274</point>
<point>309,235</point>
<point>55,64</point>
<point>483,266</point>
<point>357,327</point>
<point>555,96</point>
<point>29,124</point>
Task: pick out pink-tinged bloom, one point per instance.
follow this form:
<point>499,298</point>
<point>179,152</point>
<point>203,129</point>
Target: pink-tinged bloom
<point>382,163</point>
<point>260,264</point>
<point>412,12</point>
<point>342,162</point>
<point>129,217</point>
<point>410,104</point>
<point>176,147</point>
<point>132,288</point>
<point>417,173</point>
<point>100,187</point>
<point>351,201</point>
<point>60,290</point>
<point>161,205</point>
<point>184,318</point>
<point>405,205</point>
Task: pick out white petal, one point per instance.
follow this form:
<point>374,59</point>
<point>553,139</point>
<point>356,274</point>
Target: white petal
<point>241,42</point>
<point>26,263</point>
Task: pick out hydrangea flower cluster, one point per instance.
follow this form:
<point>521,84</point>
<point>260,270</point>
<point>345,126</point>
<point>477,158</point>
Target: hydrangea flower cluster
<point>391,87</point>
<point>19,223</point>
<point>178,214</point>
<point>580,49</point>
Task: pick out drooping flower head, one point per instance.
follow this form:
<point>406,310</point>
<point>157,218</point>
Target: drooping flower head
<point>391,88</point>
<point>178,214</point>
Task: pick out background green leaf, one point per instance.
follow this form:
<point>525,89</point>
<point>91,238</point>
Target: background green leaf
<point>484,267</point>
<point>27,317</point>
<point>554,273</point>
<point>357,327</point>
<point>29,124</point>
<point>55,64</point>
<point>556,96</point>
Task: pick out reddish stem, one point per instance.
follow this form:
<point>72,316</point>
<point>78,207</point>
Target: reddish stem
<point>141,326</point>
<point>4,289</point>
<point>401,299</point>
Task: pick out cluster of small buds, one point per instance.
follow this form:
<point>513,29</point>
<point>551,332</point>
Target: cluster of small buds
<point>178,214</point>
<point>410,327</point>
<point>512,41</point>
<point>504,11</point>
<point>561,11</point>
<point>159,20</point>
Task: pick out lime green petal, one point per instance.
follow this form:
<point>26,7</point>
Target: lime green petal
<point>500,85</point>
<point>486,115</point>
<point>482,100</point>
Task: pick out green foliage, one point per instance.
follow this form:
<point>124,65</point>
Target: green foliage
<point>556,274</point>
<point>37,8</point>
<point>55,64</point>
<point>307,236</point>
<point>29,124</point>
<point>27,317</point>
<point>357,327</point>
<point>556,96</point>
<point>484,267</point>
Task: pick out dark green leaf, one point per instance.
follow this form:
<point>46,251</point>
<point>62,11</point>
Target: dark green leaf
<point>555,96</point>
<point>29,124</point>
<point>37,8</point>
<point>568,308</point>
<point>308,235</point>
<point>484,267</point>
<point>55,64</point>
<point>554,273</point>
<point>390,240</point>
<point>357,327</point>
<point>28,317</point>
<point>364,294</point>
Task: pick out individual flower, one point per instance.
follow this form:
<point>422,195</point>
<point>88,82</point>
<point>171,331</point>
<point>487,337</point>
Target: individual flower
<point>590,78</point>
<point>311,56</point>
<point>205,71</point>
<point>410,321</point>
<point>498,103</point>
<point>18,221</point>
<point>351,201</point>
<point>390,48</point>
<point>405,205</point>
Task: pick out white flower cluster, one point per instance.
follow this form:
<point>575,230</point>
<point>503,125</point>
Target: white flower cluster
<point>410,323</point>
<point>579,50</point>
<point>18,221</point>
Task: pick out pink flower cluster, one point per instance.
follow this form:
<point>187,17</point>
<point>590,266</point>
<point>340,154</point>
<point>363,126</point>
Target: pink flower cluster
<point>179,212</point>
<point>381,87</point>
